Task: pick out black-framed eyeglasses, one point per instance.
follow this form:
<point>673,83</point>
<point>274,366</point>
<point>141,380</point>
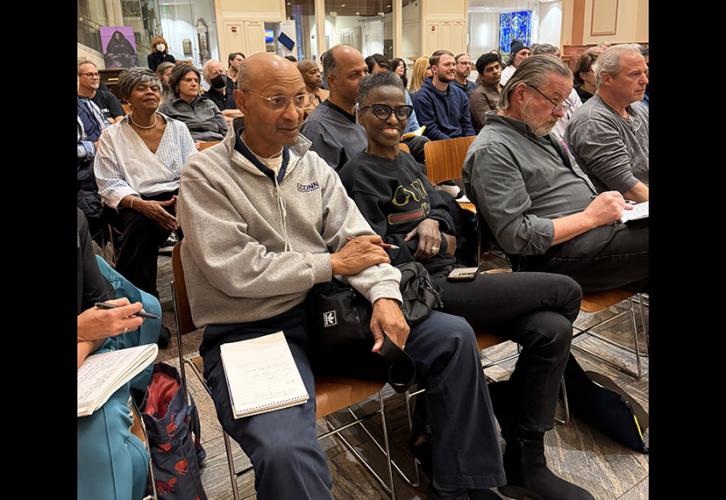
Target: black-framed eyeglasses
<point>384,111</point>
<point>563,106</point>
<point>280,102</point>
<point>90,75</point>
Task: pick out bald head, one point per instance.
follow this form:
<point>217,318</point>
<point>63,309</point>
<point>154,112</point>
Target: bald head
<point>344,67</point>
<point>262,68</point>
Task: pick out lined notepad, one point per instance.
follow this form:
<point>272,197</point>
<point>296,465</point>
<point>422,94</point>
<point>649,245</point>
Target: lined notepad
<point>261,375</point>
<point>102,374</point>
<point>639,211</point>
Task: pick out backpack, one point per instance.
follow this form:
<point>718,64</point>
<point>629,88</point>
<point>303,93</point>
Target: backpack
<point>173,428</point>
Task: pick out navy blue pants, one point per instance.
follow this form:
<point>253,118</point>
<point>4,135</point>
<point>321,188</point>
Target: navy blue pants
<point>283,447</point>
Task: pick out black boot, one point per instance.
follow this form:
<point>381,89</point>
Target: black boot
<point>528,477</point>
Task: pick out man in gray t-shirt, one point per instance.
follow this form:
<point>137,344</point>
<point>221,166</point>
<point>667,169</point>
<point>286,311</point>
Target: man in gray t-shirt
<point>608,135</point>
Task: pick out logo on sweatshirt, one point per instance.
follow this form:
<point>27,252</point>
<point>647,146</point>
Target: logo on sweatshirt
<point>306,188</point>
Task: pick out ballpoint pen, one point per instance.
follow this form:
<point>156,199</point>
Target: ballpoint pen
<point>142,313</point>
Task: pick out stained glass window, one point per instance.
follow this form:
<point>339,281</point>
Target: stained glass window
<point>514,25</point>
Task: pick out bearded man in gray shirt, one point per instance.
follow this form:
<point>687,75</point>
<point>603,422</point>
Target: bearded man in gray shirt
<point>608,135</point>
<point>542,209</point>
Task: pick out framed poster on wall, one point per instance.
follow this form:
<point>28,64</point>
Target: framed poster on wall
<point>118,45</point>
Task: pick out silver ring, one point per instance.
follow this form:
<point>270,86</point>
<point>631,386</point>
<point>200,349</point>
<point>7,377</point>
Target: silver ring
<point>125,330</point>
<point>435,249</point>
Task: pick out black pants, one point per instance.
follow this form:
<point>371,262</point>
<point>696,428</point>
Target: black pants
<point>282,444</point>
<point>604,258</point>
<point>140,248</point>
<point>536,310</point>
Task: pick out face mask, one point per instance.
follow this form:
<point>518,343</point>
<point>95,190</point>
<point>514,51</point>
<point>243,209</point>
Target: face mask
<point>160,47</point>
<point>218,82</point>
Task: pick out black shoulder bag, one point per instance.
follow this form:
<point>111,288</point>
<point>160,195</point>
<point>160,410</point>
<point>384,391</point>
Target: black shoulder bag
<point>340,334</point>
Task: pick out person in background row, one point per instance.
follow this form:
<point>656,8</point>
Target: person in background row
<point>159,53</point>
<point>332,127</point>
<point>463,70</point>
<point>485,97</point>
<point>234,60</point>
<point>89,82</point>
<point>584,73</point>
<point>220,92</point>
<point>421,71</point>
<point>201,116</point>
<point>291,59</point>
<point>518,52</point>
<point>399,67</point>
<point>163,72</point>
<point>312,76</point>
<point>571,103</point>
<point>138,164</point>
<point>443,108</point>
<point>609,135</point>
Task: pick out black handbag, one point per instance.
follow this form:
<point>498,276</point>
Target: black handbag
<point>341,338</point>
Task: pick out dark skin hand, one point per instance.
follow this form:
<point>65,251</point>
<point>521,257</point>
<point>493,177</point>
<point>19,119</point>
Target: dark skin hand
<point>155,211</point>
<point>358,254</point>
<point>429,239</point>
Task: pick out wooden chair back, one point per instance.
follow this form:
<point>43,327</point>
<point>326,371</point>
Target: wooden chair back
<point>445,158</point>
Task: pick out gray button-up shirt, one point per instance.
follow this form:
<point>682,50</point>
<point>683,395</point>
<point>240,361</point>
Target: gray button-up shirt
<point>202,117</point>
<point>520,182</point>
<point>611,149</point>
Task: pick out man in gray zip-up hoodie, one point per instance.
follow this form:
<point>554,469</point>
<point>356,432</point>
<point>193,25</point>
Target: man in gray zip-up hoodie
<point>264,220</point>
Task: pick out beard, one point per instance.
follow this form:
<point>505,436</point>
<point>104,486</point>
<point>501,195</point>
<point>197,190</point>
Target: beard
<point>539,127</point>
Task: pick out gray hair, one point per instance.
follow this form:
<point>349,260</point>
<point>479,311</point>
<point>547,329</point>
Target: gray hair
<point>205,68</point>
<point>544,48</point>
<point>130,78</point>
<point>84,60</point>
<point>533,71</point>
<point>163,67</point>
<point>609,61</point>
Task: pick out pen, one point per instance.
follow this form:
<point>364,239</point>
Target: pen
<point>142,313</point>
<point>382,245</point>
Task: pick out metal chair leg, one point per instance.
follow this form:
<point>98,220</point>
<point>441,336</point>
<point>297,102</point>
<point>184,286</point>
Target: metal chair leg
<point>565,404</point>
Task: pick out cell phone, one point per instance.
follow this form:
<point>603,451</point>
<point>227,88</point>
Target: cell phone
<point>462,274</point>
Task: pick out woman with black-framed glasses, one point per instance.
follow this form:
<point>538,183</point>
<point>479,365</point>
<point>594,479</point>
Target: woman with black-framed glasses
<point>535,310</point>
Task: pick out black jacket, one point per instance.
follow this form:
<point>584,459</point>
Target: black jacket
<point>156,58</point>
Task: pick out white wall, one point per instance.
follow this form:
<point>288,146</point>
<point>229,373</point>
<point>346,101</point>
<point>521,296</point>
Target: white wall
<point>483,33</point>
<point>550,24</point>
<point>411,29</point>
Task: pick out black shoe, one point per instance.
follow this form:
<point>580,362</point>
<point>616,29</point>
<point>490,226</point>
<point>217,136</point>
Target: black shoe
<point>164,337</point>
<point>528,477</point>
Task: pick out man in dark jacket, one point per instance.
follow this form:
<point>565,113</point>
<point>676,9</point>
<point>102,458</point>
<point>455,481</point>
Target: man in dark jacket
<point>443,108</point>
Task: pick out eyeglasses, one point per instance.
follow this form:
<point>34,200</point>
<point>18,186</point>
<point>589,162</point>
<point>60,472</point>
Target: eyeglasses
<point>280,102</point>
<point>563,106</point>
<point>90,75</point>
<point>384,111</point>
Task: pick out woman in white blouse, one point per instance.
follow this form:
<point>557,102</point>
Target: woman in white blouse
<point>138,165</point>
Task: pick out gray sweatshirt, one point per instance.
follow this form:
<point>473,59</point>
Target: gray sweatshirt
<point>253,246</point>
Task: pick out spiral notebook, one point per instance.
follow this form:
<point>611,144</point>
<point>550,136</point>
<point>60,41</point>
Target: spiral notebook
<point>261,375</point>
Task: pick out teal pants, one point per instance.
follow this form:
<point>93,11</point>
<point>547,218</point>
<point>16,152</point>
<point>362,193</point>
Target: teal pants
<point>112,462</point>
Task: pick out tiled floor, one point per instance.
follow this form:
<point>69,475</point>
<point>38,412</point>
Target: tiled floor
<point>574,451</point>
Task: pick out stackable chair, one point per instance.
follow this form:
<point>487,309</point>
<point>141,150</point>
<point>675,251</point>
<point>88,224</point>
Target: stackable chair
<point>332,394</point>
